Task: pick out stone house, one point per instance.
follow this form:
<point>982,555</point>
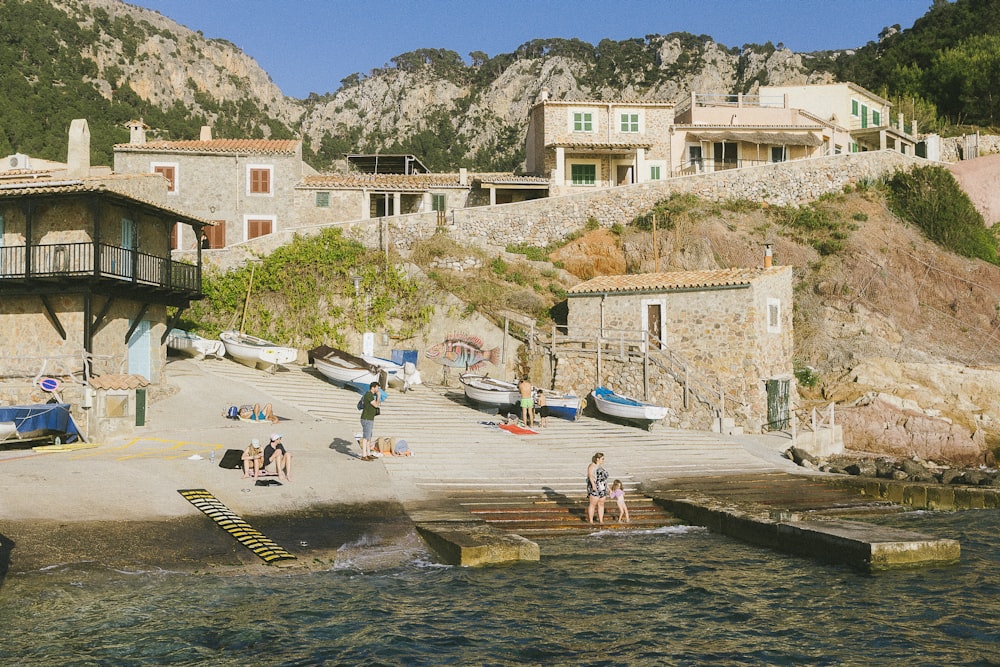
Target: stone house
<point>581,144</point>
<point>87,275</point>
<point>245,186</point>
<point>715,132</point>
<point>864,114</point>
<point>670,336</point>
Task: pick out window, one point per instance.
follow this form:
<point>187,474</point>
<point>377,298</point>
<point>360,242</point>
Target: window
<point>169,172</point>
<point>259,227</point>
<point>216,235</point>
<point>777,154</point>
<point>773,316</point>
<point>864,115</point>
<point>876,118</point>
<point>654,173</point>
<point>695,156</point>
<point>629,122</point>
<point>584,174</point>
<point>854,147</point>
<point>855,106</point>
<point>583,121</point>
<point>323,199</point>
<point>259,180</point>
<point>438,202</point>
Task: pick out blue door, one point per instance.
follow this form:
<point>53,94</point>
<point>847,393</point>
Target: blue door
<point>139,357</point>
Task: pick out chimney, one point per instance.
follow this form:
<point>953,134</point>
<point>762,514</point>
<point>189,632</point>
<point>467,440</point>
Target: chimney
<point>463,176</point>
<point>543,94</point>
<point>767,256</point>
<point>137,131</point>
<point>78,155</point>
<point>206,133</point>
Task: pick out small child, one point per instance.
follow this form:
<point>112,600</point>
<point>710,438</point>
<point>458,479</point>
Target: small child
<point>541,408</point>
<point>618,495</point>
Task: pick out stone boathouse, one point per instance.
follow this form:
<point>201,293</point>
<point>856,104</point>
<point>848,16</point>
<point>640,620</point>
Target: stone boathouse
<point>715,346</point>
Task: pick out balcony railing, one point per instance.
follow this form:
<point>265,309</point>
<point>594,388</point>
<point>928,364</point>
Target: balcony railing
<point>62,260</point>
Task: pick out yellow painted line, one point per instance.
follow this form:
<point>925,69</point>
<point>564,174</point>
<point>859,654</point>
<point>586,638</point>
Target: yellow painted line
<point>133,449</point>
<point>239,529</point>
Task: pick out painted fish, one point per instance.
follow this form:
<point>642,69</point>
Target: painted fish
<point>462,351</point>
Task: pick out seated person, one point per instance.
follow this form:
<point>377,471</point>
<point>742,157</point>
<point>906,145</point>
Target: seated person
<point>253,459</point>
<point>387,446</point>
<point>278,461</point>
<point>256,413</point>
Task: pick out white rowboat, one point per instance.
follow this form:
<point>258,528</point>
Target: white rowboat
<point>256,352</point>
<point>194,345</point>
<point>616,405</point>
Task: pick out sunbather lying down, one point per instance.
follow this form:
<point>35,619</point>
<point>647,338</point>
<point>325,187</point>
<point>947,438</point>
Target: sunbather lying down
<point>255,413</point>
<point>387,446</point>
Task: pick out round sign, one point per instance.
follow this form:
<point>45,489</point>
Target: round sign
<point>49,384</point>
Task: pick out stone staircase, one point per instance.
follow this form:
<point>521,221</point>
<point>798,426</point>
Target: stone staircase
<point>465,466</point>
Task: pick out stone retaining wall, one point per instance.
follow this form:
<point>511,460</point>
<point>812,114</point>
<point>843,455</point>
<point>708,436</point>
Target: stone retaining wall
<point>920,495</point>
<point>539,222</point>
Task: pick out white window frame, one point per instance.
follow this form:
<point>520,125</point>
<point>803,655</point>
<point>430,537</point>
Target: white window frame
<point>246,224</point>
<point>571,123</point>
<point>773,315</point>
<point>569,173</point>
<point>177,175</point>
<point>639,122</point>
<point>644,304</point>
<point>270,180</point>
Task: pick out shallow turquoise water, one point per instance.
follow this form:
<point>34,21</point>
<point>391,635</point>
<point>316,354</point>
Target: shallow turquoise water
<point>677,596</point>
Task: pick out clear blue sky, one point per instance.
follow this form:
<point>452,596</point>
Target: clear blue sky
<point>310,45</point>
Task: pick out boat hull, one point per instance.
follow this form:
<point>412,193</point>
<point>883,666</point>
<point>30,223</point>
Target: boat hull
<point>256,352</point>
<point>194,345</point>
<point>622,407</point>
<point>564,407</point>
<point>489,392</point>
<point>358,379</point>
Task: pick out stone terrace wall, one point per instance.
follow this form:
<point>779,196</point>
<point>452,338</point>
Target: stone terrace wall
<point>539,222</point>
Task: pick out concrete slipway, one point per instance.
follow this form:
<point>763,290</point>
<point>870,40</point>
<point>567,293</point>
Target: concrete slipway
<point>476,494</point>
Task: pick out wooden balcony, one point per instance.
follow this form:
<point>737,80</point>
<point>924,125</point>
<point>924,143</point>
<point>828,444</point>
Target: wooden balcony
<point>106,268</point>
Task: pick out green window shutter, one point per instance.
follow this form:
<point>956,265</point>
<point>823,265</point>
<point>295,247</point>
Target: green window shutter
<point>584,174</point>
<point>583,122</point>
<point>438,202</point>
<point>578,122</point>
<point>876,118</point>
<point>654,173</point>
<point>854,107</point>
<point>322,199</point>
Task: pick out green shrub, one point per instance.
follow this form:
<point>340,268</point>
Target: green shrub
<point>806,376</point>
<point>591,224</point>
<point>931,198</point>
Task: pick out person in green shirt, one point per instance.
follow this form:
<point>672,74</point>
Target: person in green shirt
<point>370,403</point>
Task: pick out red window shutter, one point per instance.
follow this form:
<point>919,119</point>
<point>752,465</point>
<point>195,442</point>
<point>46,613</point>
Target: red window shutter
<point>169,174</point>
<point>260,181</point>
<point>257,228</point>
<point>216,235</point>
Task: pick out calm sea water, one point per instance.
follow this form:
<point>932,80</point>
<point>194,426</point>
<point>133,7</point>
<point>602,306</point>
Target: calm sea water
<point>677,596</point>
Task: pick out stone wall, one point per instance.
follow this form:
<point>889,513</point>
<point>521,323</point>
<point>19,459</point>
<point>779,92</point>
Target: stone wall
<point>541,221</point>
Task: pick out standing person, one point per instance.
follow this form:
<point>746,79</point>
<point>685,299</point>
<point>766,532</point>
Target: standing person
<point>525,389</point>
<point>597,487</point>
<point>543,408</point>
<point>277,459</point>
<point>370,403</point>
<point>618,495</point>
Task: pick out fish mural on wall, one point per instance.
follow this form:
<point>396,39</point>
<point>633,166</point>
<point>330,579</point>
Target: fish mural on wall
<point>463,351</point>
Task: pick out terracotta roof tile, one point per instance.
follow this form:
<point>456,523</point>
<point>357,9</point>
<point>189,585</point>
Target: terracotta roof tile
<point>603,145</point>
<point>508,178</point>
<point>382,181</point>
<point>258,146</point>
<point>73,186</point>
<point>119,382</point>
<point>672,280</point>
